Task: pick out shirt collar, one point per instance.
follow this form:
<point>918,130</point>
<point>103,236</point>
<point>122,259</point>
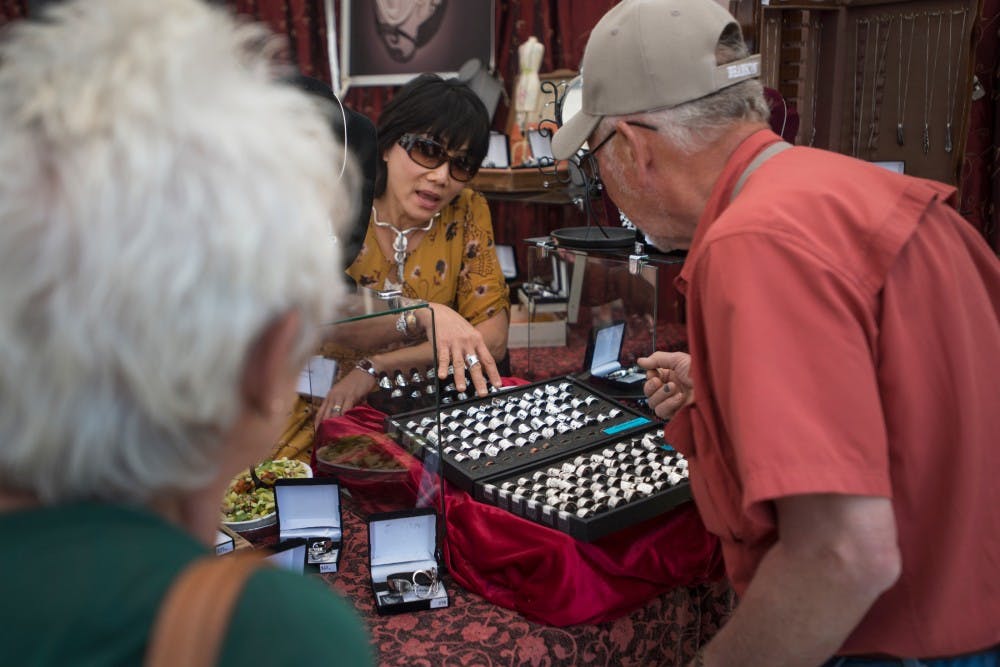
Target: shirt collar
<point>721,193</point>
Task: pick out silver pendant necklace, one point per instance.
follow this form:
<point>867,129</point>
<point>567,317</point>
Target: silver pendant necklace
<point>903,76</point>
<point>879,53</point>
<point>952,93</point>
<point>929,78</point>
<point>400,243</point>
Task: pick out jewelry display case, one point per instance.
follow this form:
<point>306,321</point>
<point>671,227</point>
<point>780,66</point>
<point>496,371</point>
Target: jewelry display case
<point>588,288</point>
<point>375,473</point>
<point>555,452</point>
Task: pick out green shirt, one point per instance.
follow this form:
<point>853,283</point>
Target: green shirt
<point>81,584</point>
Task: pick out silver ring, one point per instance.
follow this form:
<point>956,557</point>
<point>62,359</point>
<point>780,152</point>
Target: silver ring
<point>471,360</point>
<point>429,589</point>
<point>337,409</point>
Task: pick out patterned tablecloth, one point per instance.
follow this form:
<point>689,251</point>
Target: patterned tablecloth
<point>473,631</point>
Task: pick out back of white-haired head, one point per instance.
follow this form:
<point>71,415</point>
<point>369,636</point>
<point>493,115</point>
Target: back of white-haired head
<point>163,199</point>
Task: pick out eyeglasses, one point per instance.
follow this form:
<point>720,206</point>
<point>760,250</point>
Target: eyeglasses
<point>430,154</point>
<point>633,123</point>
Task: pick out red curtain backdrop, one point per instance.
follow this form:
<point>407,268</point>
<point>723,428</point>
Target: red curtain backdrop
<point>12,9</point>
<point>563,27</point>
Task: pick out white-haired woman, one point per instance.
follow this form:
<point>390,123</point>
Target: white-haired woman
<point>165,258</point>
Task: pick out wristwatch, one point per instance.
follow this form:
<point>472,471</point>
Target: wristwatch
<point>367,366</point>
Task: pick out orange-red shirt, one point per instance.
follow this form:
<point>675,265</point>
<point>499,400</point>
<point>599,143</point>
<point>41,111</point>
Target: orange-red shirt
<point>844,326</point>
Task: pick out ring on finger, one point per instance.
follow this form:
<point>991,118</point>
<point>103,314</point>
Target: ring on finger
<point>471,360</point>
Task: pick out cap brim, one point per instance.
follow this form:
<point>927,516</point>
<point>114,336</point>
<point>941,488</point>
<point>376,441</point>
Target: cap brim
<point>573,134</point>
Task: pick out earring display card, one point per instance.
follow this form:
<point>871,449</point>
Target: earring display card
<point>515,429</point>
<point>404,570</point>
<point>598,491</point>
<point>309,509</point>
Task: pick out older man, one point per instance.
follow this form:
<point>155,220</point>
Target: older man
<point>839,406</point>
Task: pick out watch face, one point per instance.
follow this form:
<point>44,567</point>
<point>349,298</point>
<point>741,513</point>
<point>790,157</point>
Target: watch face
<point>367,366</point>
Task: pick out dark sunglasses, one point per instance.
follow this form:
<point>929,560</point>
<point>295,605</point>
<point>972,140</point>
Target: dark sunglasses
<point>431,155</point>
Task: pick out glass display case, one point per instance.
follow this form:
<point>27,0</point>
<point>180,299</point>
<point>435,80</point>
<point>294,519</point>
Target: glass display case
<point>602,305</point>
<point>380,334</point>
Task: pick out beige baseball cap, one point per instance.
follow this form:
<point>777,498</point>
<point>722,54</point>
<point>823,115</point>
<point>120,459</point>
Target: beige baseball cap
<point>645,55</point>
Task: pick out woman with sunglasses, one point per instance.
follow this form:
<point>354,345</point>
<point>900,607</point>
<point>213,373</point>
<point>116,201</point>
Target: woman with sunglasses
<point>431,237</point>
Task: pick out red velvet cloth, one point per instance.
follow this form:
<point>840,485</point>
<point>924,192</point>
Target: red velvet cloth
<point>545,575</point>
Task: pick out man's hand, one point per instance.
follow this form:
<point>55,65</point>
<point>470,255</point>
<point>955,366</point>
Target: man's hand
<point>668,385</point>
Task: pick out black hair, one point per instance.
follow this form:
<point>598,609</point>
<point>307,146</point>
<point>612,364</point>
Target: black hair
<point>446,110</point>
<point>361,142</point>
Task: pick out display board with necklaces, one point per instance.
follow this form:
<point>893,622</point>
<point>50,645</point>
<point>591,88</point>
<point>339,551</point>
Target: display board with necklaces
<point>886,82</point>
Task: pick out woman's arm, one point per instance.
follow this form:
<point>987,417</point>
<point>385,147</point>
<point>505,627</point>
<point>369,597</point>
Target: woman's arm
<point>456,340</point>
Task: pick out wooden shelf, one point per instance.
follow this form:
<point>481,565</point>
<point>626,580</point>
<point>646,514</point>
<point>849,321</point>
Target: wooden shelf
<point>525,183</point>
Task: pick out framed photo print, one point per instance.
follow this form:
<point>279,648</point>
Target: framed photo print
<point>388,42</point>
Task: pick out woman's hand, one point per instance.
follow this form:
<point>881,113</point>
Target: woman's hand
<point>345,394</point>
<point>668,385</point>
<point>461,345</point>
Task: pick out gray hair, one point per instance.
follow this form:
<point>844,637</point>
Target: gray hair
<point>163,200</point>
<point>692,126</point>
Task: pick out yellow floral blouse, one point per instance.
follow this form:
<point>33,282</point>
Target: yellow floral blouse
<point>455,263</point>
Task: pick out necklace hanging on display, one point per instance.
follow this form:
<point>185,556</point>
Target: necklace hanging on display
<point>903,76</point>
<point>952,93</point>
<point>857,110</point>
<point>880,50</point>
<point>817,33</point>
<point>929,78</point>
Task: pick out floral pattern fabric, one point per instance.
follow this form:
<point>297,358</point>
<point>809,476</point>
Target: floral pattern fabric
<point>455,264</point>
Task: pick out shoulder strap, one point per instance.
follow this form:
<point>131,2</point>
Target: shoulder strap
<point>761,158</point>
<point>192,621</point>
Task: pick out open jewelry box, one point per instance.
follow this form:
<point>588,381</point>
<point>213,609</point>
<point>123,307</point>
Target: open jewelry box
<point>511,440</point>
<point>402,557</point>
<point>309,509</point>
<point>602,363</point>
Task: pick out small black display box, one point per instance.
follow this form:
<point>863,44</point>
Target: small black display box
<point>289,555</point>
<point>224,544</point>
<point>404,571</point>
<point>602,364</point>
<point>309,509</point>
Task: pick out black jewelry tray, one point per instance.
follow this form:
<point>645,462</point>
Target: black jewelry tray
<point>509,492</point>
<point>417,430</point>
